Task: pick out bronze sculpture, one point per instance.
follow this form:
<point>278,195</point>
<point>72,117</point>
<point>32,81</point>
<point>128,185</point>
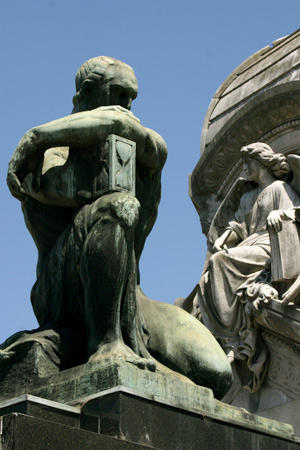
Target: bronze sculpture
<point>90,237</point>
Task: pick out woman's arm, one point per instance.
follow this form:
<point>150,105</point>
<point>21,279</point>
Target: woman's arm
<point>229,237</point>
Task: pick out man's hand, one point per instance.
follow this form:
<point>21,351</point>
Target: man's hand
<point>120,109</point>
<point>14,186</point>
<point>18,165</point>
<point>274,220</point>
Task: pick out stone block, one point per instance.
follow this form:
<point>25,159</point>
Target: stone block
<point>23,432</point>
<point>119,419</point>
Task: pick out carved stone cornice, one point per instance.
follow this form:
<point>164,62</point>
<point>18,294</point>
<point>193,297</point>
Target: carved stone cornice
<point>283,128</point>
<point>273,339</point>
<point>267,117</point>
<point>284,321</point>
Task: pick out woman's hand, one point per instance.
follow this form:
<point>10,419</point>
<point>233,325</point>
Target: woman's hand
<point>274,220</point>
<point>229,237</point>
<point>219,243</point>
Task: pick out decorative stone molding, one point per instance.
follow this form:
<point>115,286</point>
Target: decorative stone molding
<point>264,117</point>
<point>284,369</point>
<point>281,128</point>
<point>271,115</point>
<point>287,326</point>
<point>274,340</point>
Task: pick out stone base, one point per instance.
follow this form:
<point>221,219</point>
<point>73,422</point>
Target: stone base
<point>123,419</point>
<point>279,397</point>
<point>113,403</point>
<point>23,432</point>
<point>79,385</point>
<point>74,385</point>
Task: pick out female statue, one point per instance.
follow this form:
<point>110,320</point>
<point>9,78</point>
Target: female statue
<point>239,270</point>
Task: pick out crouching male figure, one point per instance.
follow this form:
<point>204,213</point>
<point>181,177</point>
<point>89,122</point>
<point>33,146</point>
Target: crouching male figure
<point>90,239</point>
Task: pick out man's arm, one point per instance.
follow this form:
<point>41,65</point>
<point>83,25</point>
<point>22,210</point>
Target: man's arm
<point>82,130</point>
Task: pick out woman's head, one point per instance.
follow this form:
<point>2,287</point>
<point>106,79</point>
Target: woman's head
<point>263,153</point>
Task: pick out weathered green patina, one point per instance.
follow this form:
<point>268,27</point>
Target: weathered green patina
<point>90,237</point>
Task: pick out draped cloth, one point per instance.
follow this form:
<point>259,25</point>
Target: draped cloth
<point>58,294</point>
<point>231,272</point>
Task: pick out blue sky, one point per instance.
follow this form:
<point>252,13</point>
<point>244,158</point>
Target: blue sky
<point>181,52</point>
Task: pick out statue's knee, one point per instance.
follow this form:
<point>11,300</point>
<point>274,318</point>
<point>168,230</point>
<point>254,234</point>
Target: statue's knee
<point>117,207</point>
<point>125,208</point>
<point>216,259</point>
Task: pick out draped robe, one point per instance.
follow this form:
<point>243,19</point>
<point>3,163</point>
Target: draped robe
<point>232,271</point>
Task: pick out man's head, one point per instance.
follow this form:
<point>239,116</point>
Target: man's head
<point>104,81</point>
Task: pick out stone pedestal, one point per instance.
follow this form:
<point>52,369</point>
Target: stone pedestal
<point>23,432</point>
<point>279,397</point>
<point>120,418</point>
<point>116,405</point>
